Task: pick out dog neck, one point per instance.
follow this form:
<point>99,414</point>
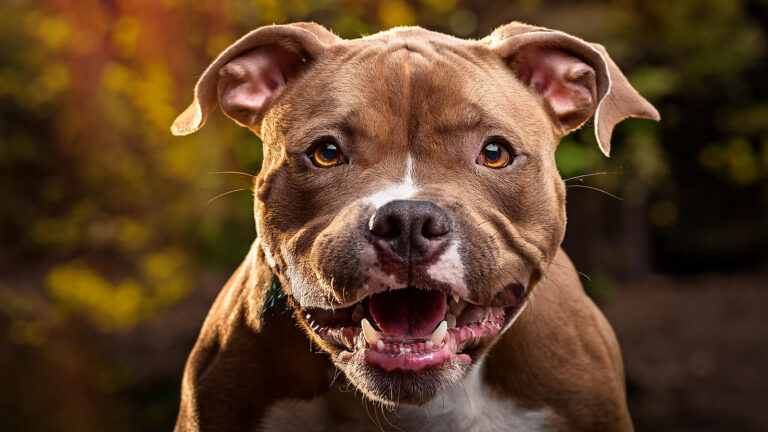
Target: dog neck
<point>469,405</point>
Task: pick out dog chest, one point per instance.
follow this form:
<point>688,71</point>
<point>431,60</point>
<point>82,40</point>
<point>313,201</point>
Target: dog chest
<point>470,406</point>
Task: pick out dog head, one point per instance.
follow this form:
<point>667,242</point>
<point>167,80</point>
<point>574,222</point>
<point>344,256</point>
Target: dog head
<point>409,200</point>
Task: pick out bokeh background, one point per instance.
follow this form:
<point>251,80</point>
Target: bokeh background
<point>111,250</point>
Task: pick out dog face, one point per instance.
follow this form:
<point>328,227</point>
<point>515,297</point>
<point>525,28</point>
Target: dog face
<point>409,199</point>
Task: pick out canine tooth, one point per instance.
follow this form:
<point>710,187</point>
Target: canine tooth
<point>439,334</point>
<point>456,298</point>
<point>451,319</point>
<point>429,344</point>
<point>380,345</point>
<point>371,335</point>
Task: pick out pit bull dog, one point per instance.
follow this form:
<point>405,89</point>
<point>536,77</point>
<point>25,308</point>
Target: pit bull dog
<point>409,216</point>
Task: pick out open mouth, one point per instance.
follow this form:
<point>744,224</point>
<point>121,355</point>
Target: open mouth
<point>407,329</point>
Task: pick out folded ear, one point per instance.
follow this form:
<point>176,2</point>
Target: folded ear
<point>574,78</point>
<point>246,78</point>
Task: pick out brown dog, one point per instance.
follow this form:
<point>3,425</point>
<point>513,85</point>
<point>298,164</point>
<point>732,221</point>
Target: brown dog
<point>407,209</point>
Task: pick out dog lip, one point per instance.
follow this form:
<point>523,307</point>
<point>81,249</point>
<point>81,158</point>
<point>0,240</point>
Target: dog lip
<point>367,292</point>
<point>349,338</point>
<point>413,362</point>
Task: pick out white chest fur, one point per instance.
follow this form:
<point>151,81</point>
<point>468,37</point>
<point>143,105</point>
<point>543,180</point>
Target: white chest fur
<point>469,407</point>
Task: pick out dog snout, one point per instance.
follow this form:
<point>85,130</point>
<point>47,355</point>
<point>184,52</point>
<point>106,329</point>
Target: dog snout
<point>413,230</point>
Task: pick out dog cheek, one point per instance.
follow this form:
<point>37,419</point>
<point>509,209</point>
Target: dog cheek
<point>336,260</point>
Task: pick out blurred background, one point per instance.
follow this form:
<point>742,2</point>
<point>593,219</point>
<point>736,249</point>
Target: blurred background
<point>112,249</point>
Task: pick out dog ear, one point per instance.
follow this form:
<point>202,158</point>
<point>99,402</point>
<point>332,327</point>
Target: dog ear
<point>575,79</point>
<point>246,78</point>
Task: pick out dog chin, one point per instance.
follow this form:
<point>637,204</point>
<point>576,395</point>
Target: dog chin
<point>397,387</point>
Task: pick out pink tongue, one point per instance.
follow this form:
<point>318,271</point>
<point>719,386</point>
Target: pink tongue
<point>408,312</point>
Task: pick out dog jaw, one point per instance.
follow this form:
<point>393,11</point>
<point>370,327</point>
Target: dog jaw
<point>396,369</point>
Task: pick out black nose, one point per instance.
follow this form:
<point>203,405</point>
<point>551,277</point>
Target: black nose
<point>413,230</point>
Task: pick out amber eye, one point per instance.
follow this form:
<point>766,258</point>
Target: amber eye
<point>326,155</point>
<point>495,155</point>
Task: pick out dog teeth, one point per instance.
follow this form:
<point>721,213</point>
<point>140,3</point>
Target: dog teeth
<point>371,335</point>
<point>439,334</point>
<point>429,344</point>
<point>456,298</point>
<point>380,345</point>
<point>451,319</point>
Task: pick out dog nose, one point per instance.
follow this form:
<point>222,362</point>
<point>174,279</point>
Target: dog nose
<point>413,229</point>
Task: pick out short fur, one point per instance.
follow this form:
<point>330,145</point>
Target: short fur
<point>409,105</point>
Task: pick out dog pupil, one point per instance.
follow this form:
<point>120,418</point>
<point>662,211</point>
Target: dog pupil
<point>492,152</point>
<point>329,152</point>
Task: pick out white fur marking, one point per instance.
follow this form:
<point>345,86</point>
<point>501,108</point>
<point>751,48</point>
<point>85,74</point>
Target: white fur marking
<point>406,189</point>
<point>369,266</point>
<point>471,407</point>
<point>450,269</point>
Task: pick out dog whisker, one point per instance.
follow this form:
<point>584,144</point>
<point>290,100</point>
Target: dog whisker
<point>590,175</point>
<point>383,414</point>
<point>335,376</point>
<point>233,172</point>
<point>365,405</point>
<point>531,301</point>
<point>571,268</point>
<point>596,189</point>
<point>466,395</point>
<point>225,193</point>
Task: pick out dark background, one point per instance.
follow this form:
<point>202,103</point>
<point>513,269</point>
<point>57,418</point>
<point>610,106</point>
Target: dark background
<point>111,253</point>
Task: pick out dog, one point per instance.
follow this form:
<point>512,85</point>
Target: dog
<point>409,215</point>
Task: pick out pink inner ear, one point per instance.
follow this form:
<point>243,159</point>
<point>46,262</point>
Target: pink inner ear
<point>249,83</point>
<point>565,82</point>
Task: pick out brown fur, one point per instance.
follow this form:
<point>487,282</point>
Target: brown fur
<point>396,95</point>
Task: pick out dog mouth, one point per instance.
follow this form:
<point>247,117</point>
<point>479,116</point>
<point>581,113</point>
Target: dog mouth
<point>407,329</point>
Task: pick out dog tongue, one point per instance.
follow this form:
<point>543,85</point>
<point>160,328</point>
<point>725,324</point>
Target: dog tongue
<point>408,312</point>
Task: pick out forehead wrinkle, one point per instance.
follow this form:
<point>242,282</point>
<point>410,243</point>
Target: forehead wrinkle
<point>394,65</point>
<point>347,122</point>
<point>473,100</point>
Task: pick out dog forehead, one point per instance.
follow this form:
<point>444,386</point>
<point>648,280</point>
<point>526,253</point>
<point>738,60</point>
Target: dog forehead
<point>381,85</point>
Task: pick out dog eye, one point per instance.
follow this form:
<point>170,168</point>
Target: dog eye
<point>494,155</point>
<point>326,155</point>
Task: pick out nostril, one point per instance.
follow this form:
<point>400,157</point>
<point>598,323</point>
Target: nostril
<point>386,226</point>
<point>434,227</point>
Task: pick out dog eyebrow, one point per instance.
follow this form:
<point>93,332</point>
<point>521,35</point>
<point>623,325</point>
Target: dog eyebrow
<point>467,117</point>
